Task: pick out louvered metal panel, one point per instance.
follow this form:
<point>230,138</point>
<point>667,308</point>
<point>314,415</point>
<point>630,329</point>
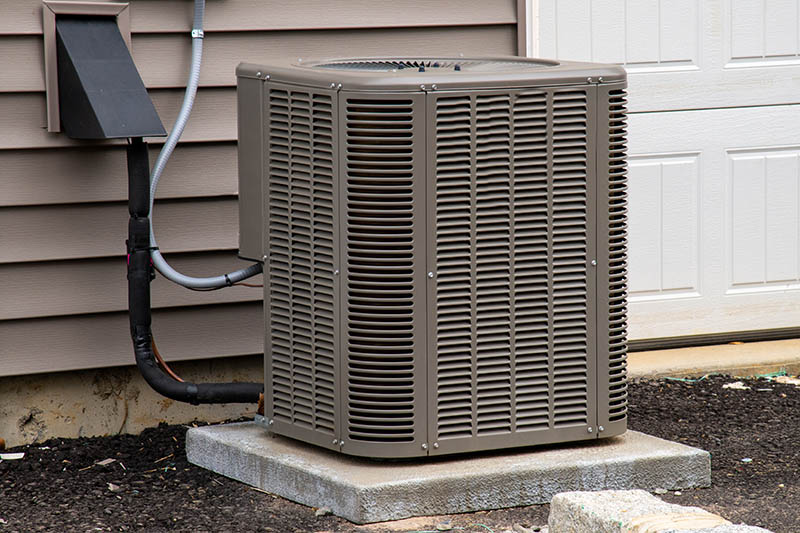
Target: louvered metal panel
<point>617,265</point>
<point>383,306</point>
<point>512,199</point>
<point>302,333</point>
<point>614,242</point>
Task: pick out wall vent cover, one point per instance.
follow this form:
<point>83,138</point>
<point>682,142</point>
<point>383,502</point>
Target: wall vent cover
<point>445,250</point>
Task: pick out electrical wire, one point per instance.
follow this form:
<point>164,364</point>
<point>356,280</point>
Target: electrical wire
<point>224,280</point>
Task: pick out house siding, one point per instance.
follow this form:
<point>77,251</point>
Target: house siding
<point>63,208</point>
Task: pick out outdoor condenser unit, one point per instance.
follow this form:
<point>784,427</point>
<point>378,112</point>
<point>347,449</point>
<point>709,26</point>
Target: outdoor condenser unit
<point>444,250</point>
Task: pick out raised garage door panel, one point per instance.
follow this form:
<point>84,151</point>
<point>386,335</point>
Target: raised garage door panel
<point>683,54</point>
<point>713,229</point>
<point>713,180</point>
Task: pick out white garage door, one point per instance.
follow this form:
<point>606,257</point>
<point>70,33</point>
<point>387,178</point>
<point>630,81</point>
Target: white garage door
<point>714,154</point>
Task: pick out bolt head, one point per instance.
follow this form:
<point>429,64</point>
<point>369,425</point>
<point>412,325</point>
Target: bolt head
<point>424,446</point>
<point>594,262</point>
<point>266,77</point>
<point>335,442</point>
<point>435,445</point>
<point>336,272</point>
<point>271,422</point>
<point>430,275</point>
<point>258,73</point>
<point>589,80</point>
<point>600,428</point>
<point>589,430</point>
<point>422,87</point>
<point>434,87</point>
<point>339,86</point>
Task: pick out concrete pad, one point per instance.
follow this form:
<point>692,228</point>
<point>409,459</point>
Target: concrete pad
<point>742,359</point>
<point>365,491</point>
<point>632,511</point>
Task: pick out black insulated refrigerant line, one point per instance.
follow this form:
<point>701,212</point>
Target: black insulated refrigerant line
<point>140,274</point>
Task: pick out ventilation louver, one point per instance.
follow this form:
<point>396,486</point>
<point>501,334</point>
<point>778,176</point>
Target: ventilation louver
<point>445,250</point>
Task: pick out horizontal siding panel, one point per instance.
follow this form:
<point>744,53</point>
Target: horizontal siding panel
<point>99,174</point>
<point>25,124</point>
<point>102,340</point>
<point>45,233</point>
<point>162,16</point>
<point>163,59</point>
<point>31,290</point>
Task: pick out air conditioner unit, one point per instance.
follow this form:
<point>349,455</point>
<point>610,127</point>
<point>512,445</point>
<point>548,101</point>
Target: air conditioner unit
<point>444,247</point>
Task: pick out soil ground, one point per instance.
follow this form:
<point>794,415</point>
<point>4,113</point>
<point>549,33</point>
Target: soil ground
<point>68,485</point>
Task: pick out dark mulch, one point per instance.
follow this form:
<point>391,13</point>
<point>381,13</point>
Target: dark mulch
<point>150,487</point>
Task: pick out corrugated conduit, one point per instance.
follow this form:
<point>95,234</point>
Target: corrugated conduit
<point>166,151</point>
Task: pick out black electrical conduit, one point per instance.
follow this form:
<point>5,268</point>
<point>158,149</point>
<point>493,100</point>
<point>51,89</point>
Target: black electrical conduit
<point>140,274</point>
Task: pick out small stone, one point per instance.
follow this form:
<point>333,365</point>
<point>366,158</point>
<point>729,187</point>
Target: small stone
<point>781,485</point>
<point>677,493</point>
<point>323,511</point>
<point>517,528</point>
<point>113,487</point>
<point>660,491</point>
<point>444,526</point>
<point>736,385</point>
<point>747,460</point>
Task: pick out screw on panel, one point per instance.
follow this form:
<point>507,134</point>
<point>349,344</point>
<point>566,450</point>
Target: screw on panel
<point>258,74</point>
<point>335,442</point>
<point>430,275</point>
<point>600,428</point>
<point>589,80</point>
<point>600,79</point>
<point>271,422</point>
<point>422,87</point>
<point>333,85</point>
<point>339,86</point>
<point>336,272</point>
<point>266,77</point>
<point>435,445</point>
<point>265,257</point>
<point>434,87</point>
<point>593,262</point>
<point>589,429</point>
<point>424,446</point>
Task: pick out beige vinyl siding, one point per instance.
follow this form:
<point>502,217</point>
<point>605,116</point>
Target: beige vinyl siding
<point>62,202</point>
<point>163,16</point>
<point>163,59</point>
<point>107,178</point>
<point>87,341</point>
<point>21,297</point>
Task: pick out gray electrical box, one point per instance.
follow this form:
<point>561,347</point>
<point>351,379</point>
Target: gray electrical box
<point>444,247</point>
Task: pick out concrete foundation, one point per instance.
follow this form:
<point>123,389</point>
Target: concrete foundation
<point>110,401</point>
<point>364,491</point>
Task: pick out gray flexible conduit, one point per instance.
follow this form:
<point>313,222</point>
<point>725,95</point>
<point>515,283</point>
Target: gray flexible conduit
<point>166,151</point>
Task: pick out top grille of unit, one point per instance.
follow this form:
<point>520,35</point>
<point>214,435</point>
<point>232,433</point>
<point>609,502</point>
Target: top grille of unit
<point>434,65</point>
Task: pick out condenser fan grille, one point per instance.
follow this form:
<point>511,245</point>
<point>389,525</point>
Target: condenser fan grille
<point>422,65</point>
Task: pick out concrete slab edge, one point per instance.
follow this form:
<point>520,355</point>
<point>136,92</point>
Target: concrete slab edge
<point>244,452</point>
